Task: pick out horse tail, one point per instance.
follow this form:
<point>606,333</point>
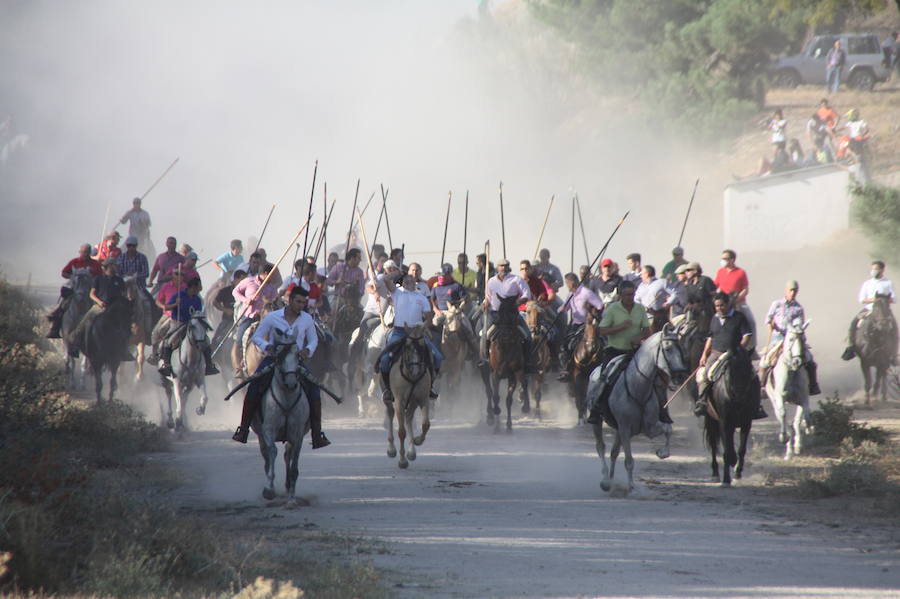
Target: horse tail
<point>710,432</point>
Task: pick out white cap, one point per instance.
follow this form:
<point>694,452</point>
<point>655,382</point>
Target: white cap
<point>390,264</point>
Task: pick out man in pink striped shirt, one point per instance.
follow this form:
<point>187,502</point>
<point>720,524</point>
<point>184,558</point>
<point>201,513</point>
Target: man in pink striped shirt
<point>252,295</point>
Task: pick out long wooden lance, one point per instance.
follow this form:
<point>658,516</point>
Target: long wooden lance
<point>486,301</point>
<point>325,215</point>
<point>446,223</point>
<point>105,224</point>
<point>387,221</point>
<point>373,278</point>
<point>544,226</point>
<point>321,245</point>
<point>465,232</point>
<point>572,240</point>
<point>352,216</point>
<point>565,306</point>
<point>160,178</point>
<point>369,201</point>
<point>260,288</point>
<point>502,221</point>
<point>265,226</point>
<point>694,193</point>
<point>312,194</point>
<point>378,225</point>
<point>587,255</point>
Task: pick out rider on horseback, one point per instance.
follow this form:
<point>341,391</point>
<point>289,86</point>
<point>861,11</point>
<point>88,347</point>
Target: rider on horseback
<point>446,291</point>
<point>133,263</point>
<point>379,291</point>
<point>730,337</point>
<point>252,295</point>
<point>171,332</point>
<point>291,319</point>
<point>878,285</point>
<point>84,261</point>
<point>411,309</point>
<point>108,288</point>
<point>781,314</point>
<point>506,285</point>
<point>582,300</point>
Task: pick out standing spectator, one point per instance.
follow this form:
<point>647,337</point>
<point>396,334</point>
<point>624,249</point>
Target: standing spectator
<point>668,271</point>
<point>828,115</point>
<point>778,126</point>
<point>138,221</point>
<point>834,63</point>
<point>652,294</point>
<point>732,280</point>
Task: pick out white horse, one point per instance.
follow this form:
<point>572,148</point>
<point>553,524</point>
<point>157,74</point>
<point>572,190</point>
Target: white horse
<point>789,383</point>
<point>189,371</point>
<point>636,397</point>
<point>366,374</point>
<point>285,416</point>
<point>411,385</point>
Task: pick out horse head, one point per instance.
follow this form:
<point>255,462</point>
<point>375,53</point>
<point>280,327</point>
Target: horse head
<point>198,327</point>
<point>794,344</point>
<point>82,281</point>
<point>881,307</point>
<point>414,356</point>
<point>453,318</point>
<point>287,359</point>
<point>507,313</point>
<point>671,356</point>
<point>533,313</point>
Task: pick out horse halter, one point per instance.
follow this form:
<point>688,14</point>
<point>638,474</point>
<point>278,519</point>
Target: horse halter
<point>794,337</point>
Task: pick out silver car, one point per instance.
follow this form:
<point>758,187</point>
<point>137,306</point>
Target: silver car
<point>865,65</point>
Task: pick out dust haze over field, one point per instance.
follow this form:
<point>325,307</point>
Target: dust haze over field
<point>424,97</point>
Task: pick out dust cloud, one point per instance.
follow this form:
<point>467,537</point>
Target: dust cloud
<point>426,97</point>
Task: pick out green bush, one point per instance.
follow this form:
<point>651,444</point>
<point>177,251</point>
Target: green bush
<point>833,425</point>
<point>876,210</point>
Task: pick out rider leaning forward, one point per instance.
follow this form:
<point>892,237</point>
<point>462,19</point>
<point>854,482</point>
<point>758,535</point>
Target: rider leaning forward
<point>291,320</point>
<point>181,307</point>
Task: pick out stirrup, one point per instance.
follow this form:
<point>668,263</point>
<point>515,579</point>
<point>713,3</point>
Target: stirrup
<point>432,394</point>
<point>166,369</point>
<point>386,395</point>
<point>211,369</point>
<point>241,434</point>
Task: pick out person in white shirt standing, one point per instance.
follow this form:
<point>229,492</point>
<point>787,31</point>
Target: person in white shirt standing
<point>877,285</point>
<point>652,294</point>
<point>411,309</point>
<point>290,319</point>
<point>138,221</point>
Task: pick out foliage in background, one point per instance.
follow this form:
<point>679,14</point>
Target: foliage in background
<point>698,66</point>
<point>876,209</point>
<point>833,426</point>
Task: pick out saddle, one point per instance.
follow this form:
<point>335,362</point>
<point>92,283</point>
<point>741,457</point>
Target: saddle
<point>601,383</point>
<point>395,356</point>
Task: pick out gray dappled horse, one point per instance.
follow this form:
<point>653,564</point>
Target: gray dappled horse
<point>364,376</point>
<point>635,400</point>
<point>284,417</point>
<point>876,346</point>
<point>789,384</point>
<point>411,378</point>
<point>104,344</point>
<point>79,304</point>
<point>188,372</point>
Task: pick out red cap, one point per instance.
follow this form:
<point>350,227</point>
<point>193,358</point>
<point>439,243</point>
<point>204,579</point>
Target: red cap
<point>606,262</point>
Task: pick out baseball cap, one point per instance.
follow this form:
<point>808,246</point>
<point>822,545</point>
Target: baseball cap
<point>503,262</point>
<point>678,251</point>
<point>606,262</point>
<point>131,240</point>
<point>692,266</point>
<point>792,284</point>
<point>447,269</point>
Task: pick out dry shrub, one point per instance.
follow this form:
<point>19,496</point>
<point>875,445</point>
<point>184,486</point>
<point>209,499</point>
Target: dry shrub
<point>833,425</point>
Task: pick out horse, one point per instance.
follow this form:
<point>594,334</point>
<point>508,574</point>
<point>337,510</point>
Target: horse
<point>635,399</point>
<point>188,371</point>
<point>732,397</point>
<point>454,346</point>
<point>876,346</point>
<point>586,358</point>
<point>540,349</point>
<point>284,417</point>
<point>789,383</point>
<point>692,329</point>
<point>145,315</point>
<point>346,314</point>
<point>79,304</point>
<point>411,378</point>
<point>105,341</point>
<point>506,360</point>
<point>365,375</point>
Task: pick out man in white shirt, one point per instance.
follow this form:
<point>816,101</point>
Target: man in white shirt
<point>138,221</point>
<point>878,285</point>
<point>503,284</point>
<point>411,308</point>
<point>290,319</point>
<point>652,294</point>
<point>379,292</point>
<point>415,269</point>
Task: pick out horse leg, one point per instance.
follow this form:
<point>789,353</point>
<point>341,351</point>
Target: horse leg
<point>605,482</point>
<point>525,381</point>
<point>664,451</point>
<point>167,411</point>
<point>292,468</point>
<point>798,432</point>
<point>270,453</point>
<point>401,432</point>
<point>510,392</point>
<point>625,440</point>
<point>389,422</point>
<point>410,422</point>
<point>113,380</point>
<point>98,382</point>
<point>712,440</point>
<point>204,397</point>
<point>867,378</point>
<point>539,383</point>
<point>179,405</point>
<point>882,380</point>
<point>613,455</point>
<point>495,399</point>
<point>728,453</point>
<point>742,448</point>
<point>426,423</point>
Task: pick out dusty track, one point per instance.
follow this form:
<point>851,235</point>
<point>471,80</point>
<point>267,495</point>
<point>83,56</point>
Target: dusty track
<point>522,515</point>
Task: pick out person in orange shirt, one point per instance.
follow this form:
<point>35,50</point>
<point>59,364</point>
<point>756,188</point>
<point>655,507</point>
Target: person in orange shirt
<point>109,247</point>
<point>828,115</point>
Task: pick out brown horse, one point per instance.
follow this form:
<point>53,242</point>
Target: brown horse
<point>454,346</point>
<point>540,347</point>
<point>346,314</point>
<point>587,356</point>
<point>876,346</point>
<point>506,359</point>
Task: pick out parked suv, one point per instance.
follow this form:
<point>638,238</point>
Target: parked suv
<point>864,67</point>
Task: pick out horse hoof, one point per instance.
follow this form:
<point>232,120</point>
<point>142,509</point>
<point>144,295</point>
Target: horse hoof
<point>392,453</point>
<point>725,485</point>
<point>497,411</point>
<point>662,453</point>
<point>403,464</point>
<point>605,485</point>
<point>526,408</point>
<point>268,494</point>
<point>411,456</point>
<point>418,441</point>
<point>490,419</point>
<point>738,474</point>
<point>170,423</point>
<point>201,410</point>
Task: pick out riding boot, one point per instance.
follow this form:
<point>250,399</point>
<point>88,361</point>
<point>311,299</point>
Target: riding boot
<point>760,412</point>
<point>166,368</point>
<point>699,408</point>
<point>386,394</point>
<point>432,394</point>
<point>319,439</point>
<point>210,366</point>
<point>251,405</point>
<point>55,326</point>
<point>153,358</point>
<point>811,368</point>
<point>850,352</point>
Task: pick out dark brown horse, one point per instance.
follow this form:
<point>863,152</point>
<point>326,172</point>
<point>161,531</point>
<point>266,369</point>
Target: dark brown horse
<point>733,396</point>
<point>540,347</point>
<point>692,329</point>
<point>506,359</point>
<point>105,341</point>
<point>587,356</point>
<point>876,346</point>
<point>346,314</point>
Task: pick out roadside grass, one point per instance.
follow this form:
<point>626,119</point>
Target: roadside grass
<point>84,513</point>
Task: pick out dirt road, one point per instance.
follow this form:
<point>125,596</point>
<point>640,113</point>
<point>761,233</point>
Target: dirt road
<point>522,514</point>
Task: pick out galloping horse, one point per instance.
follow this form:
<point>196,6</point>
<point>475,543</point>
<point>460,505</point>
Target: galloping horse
<point>78,306</point>
<point>454,346</point>
<point>188,370</point>
<point>635,400</point>
<point>789,383</point>
<point>587,356</point>
<point>541,349</point>
<point>876,345</point>
<point>145,315</point>
<point>733,394</point>
<point>506,360</point>
<point>410,383</point>
<point>693,328</point>
<point>285,416</point>
<point>346,314</point>
<point>105,340</point>
<point>365,375</point>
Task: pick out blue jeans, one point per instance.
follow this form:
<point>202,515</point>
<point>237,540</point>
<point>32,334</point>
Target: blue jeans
<point>832,79</point>
<point>395,336</point>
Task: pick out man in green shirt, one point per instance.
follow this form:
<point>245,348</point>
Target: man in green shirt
<point>668,272</point>
<point>624,323</point>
